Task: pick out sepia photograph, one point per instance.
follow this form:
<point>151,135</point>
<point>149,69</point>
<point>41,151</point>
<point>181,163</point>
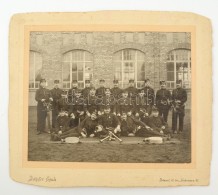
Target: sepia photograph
<point>110,96</point>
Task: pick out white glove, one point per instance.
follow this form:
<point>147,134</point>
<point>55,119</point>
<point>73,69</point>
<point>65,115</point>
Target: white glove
<point>72,116</point>
<point>88,114</point>
<point>99,112</point>
<point>163,127</point>
<point>51,99</point>
<point>42,100</point>
<point>146,114</point>
<point>114,113</point>
<point>59,132</point>
<point>129,113</point>
<point>118,114</point>
<point>139,127</point>
<point>117,129</point>
<point>99,128</point>
<point>81,113</point>
<point>161,132</point>
<point>137,114</point>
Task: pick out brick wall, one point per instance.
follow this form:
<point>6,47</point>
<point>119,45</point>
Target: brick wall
<point>52,46</point>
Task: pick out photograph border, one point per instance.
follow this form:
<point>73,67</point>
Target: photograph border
<point>25,23</point>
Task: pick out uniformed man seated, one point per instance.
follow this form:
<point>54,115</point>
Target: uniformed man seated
<point>108,122</point>
<point>130,125</point>
<point>158,124</point>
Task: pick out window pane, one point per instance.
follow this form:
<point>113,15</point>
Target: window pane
<point>88,70</point>
<point>74,75</point>
<point>74,66</point>
<point>179,67</point>
<point>170,66</point>
<point>80,66</point>
<point>170,76</point>
<point>118,76</point>
<point>141,71</point>
<point>80,76</point>
<point>31,67</point>
<point>66,71</point>
<point>38,66</point>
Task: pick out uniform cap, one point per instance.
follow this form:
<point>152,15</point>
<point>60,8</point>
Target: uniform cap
<point>162,82</point>
<point>56,81</point>
<point>42,80</point>
<point>131,81</point>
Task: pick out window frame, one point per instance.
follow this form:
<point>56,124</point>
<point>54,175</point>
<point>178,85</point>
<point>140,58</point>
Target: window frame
<point>68,84</point>
<point>34,82</point>
<point>135,62</point>
<point>171,84</point>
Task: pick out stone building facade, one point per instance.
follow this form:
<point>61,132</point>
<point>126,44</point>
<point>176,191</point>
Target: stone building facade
<point>78,56</point>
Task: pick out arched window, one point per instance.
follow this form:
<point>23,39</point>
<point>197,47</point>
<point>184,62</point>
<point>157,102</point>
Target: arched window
<point>35,67</point>
<point>179,67</point>
<point>77,65</point>
<point>129,64</point>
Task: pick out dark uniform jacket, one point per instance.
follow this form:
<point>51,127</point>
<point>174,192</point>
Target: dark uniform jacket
<point>179,94</point>
<point>85,92</point>
<point>62,123</point>
<point>156,122</point>
<point>100,91</point>
<point>42,93</point>
<point>125,105</point>
<point>130,125</point>
<point>62,104</point>
<point>163,98</point>
<point>149,95</point>
<point>108,121</point>
<point>71,94</point>
<point>91,104</point>
<point>107,100</point>
<point>89,125</point>
<point>116,92</point>
<point>56,95</point>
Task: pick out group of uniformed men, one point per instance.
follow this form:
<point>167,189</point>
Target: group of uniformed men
<point>128,112</point>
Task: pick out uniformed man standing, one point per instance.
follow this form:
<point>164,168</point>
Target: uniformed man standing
<point>91,102</point>
<point>179,97</point>
<point>116,92</point>
<point>101,90</point>
<point>132,94</point>
<point>163,101</point>
<point>86,90</point>
<point>56,95</point>
<point>149,95</point>
<point>72,91</point>
<point>43,98</point>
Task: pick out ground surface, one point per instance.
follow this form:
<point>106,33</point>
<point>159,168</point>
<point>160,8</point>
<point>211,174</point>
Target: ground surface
<point>40,149</point>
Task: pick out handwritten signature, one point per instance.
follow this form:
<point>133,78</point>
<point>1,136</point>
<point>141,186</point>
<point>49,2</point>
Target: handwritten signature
<point>41,179</point>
